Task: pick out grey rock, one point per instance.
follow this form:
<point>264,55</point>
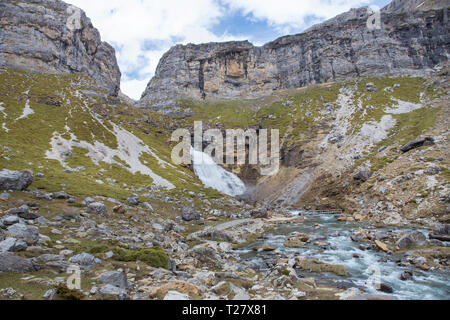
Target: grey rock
<point>49,36</point>
<point>109,290</point>
<point>61,195</point>
<point>338,49</point>
<point>412,239</point>
<point>84,259</point>
<point>12,245</point>
<point>133,200</point>
<point>406,275</point>
<point>14,180</point>
<point>24,213</point>
<point>97,207</point>
<point>9,262</point>
<point>21,231</point>
<point>417,143</point>
<point>87,201</point>
<point>115,278</point>
<point>10,220</point>
<point>189,214</point>
<point>442,233</point>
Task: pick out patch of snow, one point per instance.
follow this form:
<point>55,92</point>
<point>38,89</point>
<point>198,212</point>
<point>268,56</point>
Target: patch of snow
<point>374,132</point>
<point>403,107</point>
<point>2,110</point>
<point>26,111</point>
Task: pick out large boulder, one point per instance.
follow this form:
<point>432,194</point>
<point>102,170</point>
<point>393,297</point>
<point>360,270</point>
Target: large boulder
<point>15,180</point>
<point>417,143</point>
<point>412,239</point>
<point>29,234</point>
<point>9,262</point>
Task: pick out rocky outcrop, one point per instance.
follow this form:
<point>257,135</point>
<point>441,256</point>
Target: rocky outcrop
<point>409,41</point>
<point>47,36</point>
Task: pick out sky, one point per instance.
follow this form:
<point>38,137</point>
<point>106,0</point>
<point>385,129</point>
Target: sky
<point>141,31</point>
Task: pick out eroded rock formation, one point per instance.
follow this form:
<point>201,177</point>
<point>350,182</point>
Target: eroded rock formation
<point>409,41</point>
<point>48,36</point>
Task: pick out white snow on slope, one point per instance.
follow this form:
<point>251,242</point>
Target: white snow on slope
<point>2,110</point>
<point>130,148</point>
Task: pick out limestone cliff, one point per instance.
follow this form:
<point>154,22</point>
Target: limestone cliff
<point>48,36</point>
<point>409,41</point>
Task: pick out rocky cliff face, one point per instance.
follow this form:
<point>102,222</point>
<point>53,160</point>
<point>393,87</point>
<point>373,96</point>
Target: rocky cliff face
<point>409,40</point>
<point>48,36</point>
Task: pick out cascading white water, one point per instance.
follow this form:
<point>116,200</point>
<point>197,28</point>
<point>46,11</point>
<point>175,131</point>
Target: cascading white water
<point>214,176</point>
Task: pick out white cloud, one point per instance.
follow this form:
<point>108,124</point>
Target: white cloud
<point>142,31</point>
<point>289,15</point>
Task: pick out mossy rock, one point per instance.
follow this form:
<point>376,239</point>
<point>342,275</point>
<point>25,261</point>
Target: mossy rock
<point>154,256</point>
<point>68,294</point>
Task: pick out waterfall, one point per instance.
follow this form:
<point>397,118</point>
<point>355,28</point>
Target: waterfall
<point>214,176</point>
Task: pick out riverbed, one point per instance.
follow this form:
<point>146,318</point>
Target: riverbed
<point>366,267</point>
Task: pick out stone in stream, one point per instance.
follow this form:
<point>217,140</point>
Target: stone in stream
<point>383,287</point>
<point>406,275</point>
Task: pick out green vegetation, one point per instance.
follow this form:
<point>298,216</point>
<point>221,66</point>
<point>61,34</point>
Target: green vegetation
<point>154,256</point>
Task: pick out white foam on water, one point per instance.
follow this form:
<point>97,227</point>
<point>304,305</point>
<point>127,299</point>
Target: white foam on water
<point>214,176</point>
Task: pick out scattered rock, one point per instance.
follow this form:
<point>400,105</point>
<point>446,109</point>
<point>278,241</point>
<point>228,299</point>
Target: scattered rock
<point>147,206</point>
<point>120,209</point>
<point>49,294</point>
<point>62,195</point>
<point>24,213</point>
